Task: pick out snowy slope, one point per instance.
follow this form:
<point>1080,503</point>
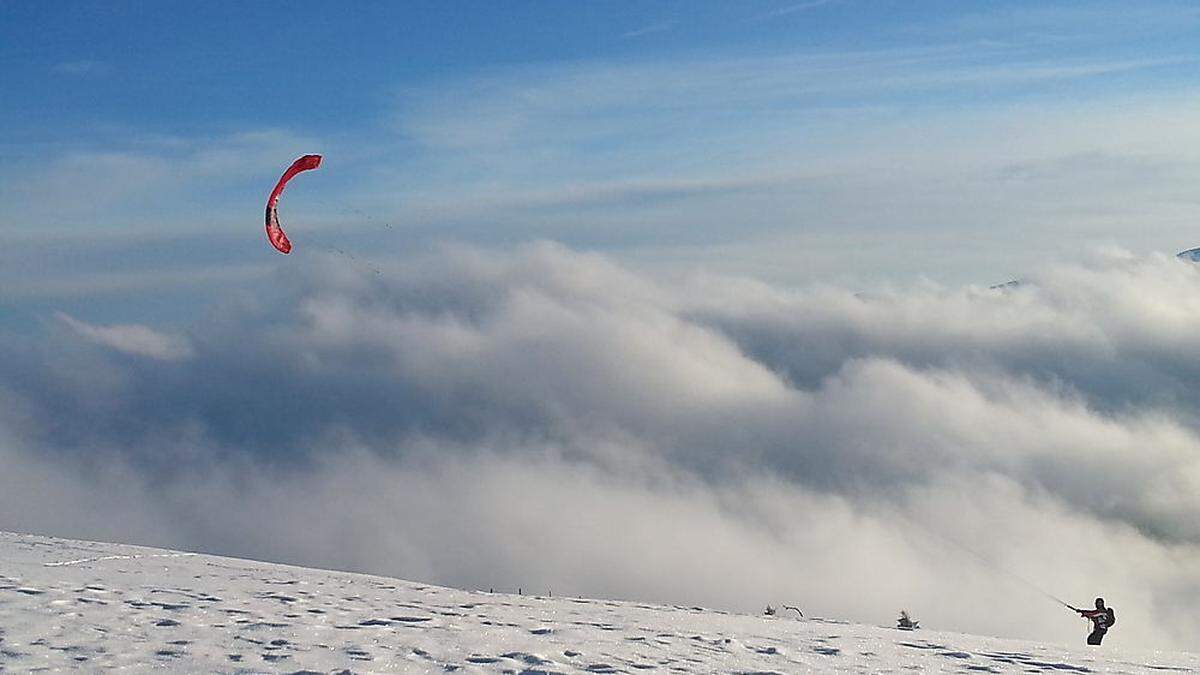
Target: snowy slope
<point>80,605</point>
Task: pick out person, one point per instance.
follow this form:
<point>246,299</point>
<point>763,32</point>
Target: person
<point>1102,619</point>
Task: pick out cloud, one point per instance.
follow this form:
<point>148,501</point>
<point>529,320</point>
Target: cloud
<point>131,339</point>
<point>657,27</point>
<point>794,8</point>
<point>87,285</point>
<point>829,161</point>
<point>624,102</point>
<point>1071,22</point>
<point>548,419</point>
<point>83,67</point>
<point>141,182</point>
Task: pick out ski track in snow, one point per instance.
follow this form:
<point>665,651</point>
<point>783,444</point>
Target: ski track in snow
<point>145,609</point>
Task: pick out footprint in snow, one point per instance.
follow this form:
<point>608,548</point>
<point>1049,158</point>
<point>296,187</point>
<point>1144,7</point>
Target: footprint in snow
<point>170,605</point>
<point>532,659</point>
<point>267,624</point>
<point>765,650</point>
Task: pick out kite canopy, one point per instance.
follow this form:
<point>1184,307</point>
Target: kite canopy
<point>274,232</point>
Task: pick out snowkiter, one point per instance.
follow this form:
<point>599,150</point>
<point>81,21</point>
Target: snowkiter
<point>1102,619</point>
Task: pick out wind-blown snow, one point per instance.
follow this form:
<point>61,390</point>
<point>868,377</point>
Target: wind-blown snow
<point>68,605</point>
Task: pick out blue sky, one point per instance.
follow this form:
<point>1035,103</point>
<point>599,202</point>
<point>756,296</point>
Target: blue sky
<point>846,141</point>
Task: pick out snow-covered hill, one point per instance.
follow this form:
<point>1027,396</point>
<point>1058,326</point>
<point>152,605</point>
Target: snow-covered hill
<point>68,605</point>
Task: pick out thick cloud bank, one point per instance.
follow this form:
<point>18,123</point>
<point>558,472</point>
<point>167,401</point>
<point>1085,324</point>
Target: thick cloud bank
<point>549,420</point>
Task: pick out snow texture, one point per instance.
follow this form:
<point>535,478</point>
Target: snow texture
<point>75,605</point>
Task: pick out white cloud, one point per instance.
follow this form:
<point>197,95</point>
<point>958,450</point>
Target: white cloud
<point>131,339</point>
<point>821,165</point>
<point>649,29</point>
<point>86,284</point>
<point>145,180</point>
<point>797,166</point>
<point>794,8</point>
<point>83,67</point>
<point>547,419</point>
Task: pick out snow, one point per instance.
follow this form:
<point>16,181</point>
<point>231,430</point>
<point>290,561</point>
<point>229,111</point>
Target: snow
<point>76,605</point>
